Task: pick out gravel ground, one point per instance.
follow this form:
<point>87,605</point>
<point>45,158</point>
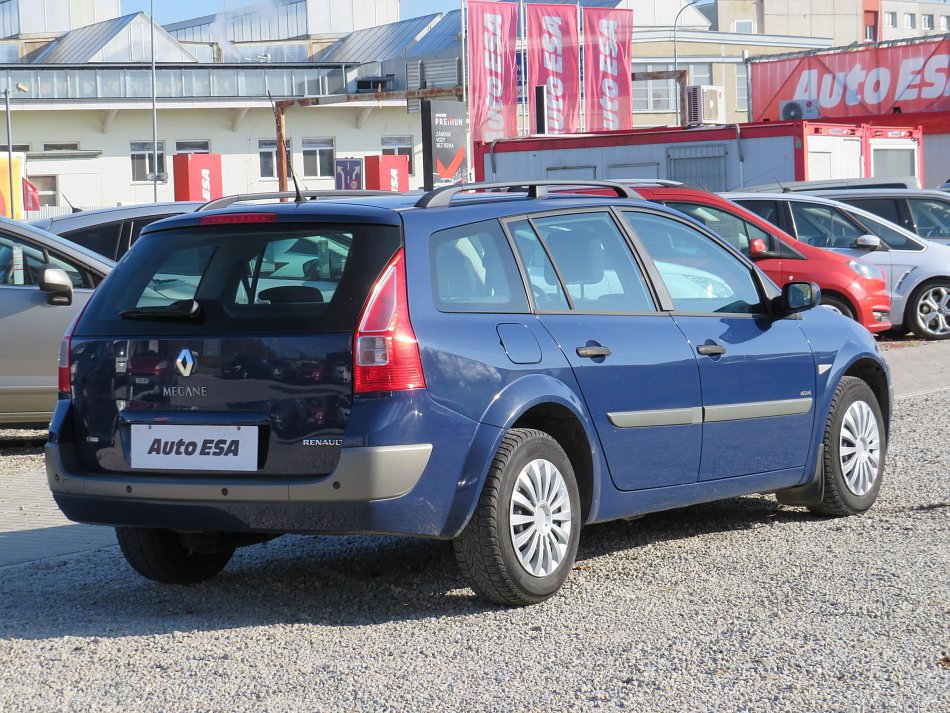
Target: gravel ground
<point>738,605</point>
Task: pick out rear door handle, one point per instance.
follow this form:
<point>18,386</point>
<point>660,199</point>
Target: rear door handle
<point>593,352</point>
<point>711,349</point>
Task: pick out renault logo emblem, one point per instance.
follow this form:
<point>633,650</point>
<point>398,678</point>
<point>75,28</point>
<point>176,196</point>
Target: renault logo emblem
<point>185,362</point>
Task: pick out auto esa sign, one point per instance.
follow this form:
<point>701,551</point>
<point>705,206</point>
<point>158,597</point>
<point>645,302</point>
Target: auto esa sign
<point>875,80</point>
<point>177,447</point>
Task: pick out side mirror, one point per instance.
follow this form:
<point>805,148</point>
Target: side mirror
<point>799,296</point>
<point>867,242</point>
<point>56,282</point>
<point>757,248</point>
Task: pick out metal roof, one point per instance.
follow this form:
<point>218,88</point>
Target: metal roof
<point>445,35</point>
<point>377,44</point>
<point>80,45</point>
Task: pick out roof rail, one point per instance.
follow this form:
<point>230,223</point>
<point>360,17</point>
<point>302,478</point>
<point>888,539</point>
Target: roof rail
<point>225,201</point>
<point>835,184</point>
<point>442,197</point>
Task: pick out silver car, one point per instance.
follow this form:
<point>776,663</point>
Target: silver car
<point>45,281</point>
<point>917,271</point>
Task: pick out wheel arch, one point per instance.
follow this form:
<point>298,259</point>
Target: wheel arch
<point>841,297</point>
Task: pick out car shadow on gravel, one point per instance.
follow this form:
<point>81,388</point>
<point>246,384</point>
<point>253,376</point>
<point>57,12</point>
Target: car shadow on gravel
<point>317,581</point>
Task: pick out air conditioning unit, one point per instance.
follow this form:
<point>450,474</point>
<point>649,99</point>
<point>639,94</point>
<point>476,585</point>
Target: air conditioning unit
<point>705,105</point>
<point>799,109</point>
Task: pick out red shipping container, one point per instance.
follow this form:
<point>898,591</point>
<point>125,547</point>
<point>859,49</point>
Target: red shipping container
<point>197,176</point>
<point>387,173</point>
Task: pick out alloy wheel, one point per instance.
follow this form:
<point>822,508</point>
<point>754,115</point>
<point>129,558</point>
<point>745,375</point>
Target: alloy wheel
<point>859,448</point>
<point>933,311</point>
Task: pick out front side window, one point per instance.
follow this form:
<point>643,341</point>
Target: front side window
<point>736,231</point>
<point>318,157</point>
<point>593,263</point>
<point>895,239</point>
<point>399,146</point>
<point>931,218</point>
<point>103,238</point>
<point>824,226</point>
<point>770,211</point>
<point>267,151</point>
<point>545,286</point>
<point>887,208</point>
<point>700,275</point>
<point>143,161</point>
<point>473,269</point>
<point>20,264</point>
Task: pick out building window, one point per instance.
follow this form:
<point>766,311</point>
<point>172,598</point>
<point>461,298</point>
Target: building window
<point>142,161</point>
<point>660,95</point>
<point>399,146</point>
<point>46,186</point>
<point>743,27</point>
<point>193,147</point>
<point>945,22</point>
<point>62,146</point>
<point>910,21</point>
<point>890,19</point>
<point>318,158</point>
<point>742,87</point>
<point>926,22</point>
<point>267,149</point>
<point>17,148</point>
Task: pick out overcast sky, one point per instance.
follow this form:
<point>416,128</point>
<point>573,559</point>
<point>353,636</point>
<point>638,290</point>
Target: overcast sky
<point>167,11</point>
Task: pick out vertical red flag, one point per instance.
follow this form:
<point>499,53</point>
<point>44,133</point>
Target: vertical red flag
<point>493,75</point>
<point>607,85</point>
<point>554,64</point>
<point>31,196</point>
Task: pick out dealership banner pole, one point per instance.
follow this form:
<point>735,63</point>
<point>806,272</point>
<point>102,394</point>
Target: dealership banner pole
<point>463,80</point>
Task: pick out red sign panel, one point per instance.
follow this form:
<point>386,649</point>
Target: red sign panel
<point>874,80</point>
<point>387,173</point>
<point>607,85</point>
<point>553,63</point>
<point>197,176</point>
<point>493,76</point>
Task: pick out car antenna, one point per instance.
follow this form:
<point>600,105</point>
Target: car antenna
<point>299,198</point>
<point>73,208</point>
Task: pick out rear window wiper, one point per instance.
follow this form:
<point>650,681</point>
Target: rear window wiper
<point>178,311</point>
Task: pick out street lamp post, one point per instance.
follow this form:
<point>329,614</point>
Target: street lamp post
<point>155,175</point>
<point>675,21</point>
<point>6,99</point>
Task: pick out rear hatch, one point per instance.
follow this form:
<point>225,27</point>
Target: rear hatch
<point>222,347</point>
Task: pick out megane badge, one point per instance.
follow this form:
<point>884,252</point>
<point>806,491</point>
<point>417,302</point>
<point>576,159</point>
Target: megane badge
<point>185,362</point>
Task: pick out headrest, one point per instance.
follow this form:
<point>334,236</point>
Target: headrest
<point>579,255</point>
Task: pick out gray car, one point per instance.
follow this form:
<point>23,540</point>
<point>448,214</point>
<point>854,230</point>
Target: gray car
<point>111,231</point>
<point>45,281</point>
<point>917,271</point>
<point>926,213</point>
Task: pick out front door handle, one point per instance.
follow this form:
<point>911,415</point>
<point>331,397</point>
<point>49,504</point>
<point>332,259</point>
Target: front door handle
<point>593,352</point>
<point>711,349</point>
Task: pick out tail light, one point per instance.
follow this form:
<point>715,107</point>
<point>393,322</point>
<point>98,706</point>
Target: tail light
<point>386,354</point>
<point>65,375</point>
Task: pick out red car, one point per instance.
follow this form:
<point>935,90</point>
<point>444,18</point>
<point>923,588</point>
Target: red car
<point>853,288</point>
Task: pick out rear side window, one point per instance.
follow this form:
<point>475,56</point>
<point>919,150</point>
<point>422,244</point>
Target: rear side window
<point>931,218</point>
<point>473,270</point>
<point>287,278</point>
<point>766,210</point>
<point>594,264</point>
<point>102,239</point>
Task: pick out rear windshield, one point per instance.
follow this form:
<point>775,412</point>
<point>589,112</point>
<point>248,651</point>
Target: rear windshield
<point>246,279</point>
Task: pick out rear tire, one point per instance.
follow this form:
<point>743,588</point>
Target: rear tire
<point>519,546</point>
<point>855,446</point>
<point>836,304</point>
<point>160,556</point>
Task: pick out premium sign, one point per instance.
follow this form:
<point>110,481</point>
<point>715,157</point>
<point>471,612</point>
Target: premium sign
<point>448,140</point>
<point>493,91</point>
<point>876,80</point>
<point>607,84</point>
<point>553,63</point>
<point>173,447</point>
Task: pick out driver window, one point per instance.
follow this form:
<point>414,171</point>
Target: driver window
<point>20,262</point>
<point>735,230</point>
<point>700,275</point>
<point>823,226</point>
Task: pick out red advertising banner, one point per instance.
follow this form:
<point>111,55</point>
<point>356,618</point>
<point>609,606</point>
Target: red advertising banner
<point>493,75</point>
<point>607,85</point>
<point>554,64</point>
<point>876,80</point>
<point>197,176</point>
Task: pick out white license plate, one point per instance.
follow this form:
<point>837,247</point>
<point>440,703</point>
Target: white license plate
<point>173,447</point>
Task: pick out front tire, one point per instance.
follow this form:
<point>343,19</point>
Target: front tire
<point>160,556</point>
<point>854,448</point>
<point>928,310</point>
<point>519,546</point>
